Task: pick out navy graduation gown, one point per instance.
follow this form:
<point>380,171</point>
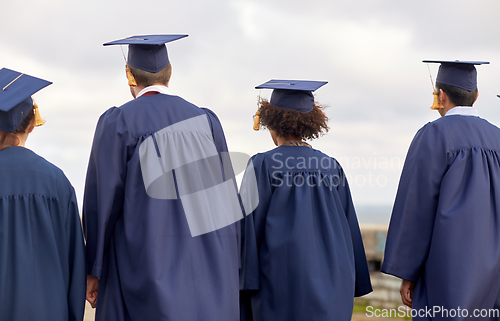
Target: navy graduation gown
<point>302,253</point>
<point>140,239</point>
<point>42,255</point>
<point>444,232</point>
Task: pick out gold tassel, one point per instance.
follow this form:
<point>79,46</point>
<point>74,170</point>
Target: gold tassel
<point>436,104</point>
<point>38,119</point>
<point>256,124</point>
<point>130,77</point>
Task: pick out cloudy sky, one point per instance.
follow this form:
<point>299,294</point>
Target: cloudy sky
<point>370,52</point>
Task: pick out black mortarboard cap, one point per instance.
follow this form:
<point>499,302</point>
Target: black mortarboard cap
<point>292,94</point>
<point>15,97</point>
<point>147,52</point>
<point>457,73</point>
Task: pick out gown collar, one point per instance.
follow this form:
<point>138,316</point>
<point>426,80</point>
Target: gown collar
<point>464,111</point>
<point>158,88</point>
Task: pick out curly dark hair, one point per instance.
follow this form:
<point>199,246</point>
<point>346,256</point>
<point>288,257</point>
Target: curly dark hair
<point>291,123</point>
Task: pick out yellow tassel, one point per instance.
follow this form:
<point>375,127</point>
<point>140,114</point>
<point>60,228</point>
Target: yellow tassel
<point>130,77</point>
<point>436,104</point>
<point>38,119</point>
<point>256,124</point>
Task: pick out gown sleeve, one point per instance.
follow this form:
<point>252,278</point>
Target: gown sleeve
<point>414,212</point>
<point>363,284</point>
<point>78,277</point>
<point>104,186</point>
<point>226,165</point>
<point>255,193</point>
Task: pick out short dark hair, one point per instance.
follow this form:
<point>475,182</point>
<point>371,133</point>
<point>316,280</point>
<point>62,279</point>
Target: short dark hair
<point>291,123</point>
<point>146,79</point>
<point>458,96</point>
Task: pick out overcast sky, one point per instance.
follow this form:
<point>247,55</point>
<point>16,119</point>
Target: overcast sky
<point>370,52</point>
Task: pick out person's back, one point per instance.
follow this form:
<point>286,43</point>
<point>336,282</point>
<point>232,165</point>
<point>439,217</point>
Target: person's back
<point>465,158</point>
<point>444,230</point>
<point>302,258</point>
<point>42,250</point>
<point>42,255</point>
<point>308,225</point>
<point>146,213</point>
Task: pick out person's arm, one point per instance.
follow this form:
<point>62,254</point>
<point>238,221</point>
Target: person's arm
<point>104,189</point>
<point>412,221</point>
<point>226,165</point>
<point>256,193</point>
<point>76,259</point>
<point>363,285</point>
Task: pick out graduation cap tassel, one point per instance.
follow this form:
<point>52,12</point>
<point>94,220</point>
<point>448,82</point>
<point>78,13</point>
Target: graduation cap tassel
<point>38,119</point>
<point>130,77</point>
<point>256,124</point>
<point>436,104</point>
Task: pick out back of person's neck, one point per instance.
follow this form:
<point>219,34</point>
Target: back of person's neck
<point>446,107</point>
<point>22,137</point>
<point>281,140</point>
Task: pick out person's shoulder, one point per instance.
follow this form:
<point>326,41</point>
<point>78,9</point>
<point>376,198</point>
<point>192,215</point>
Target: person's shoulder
<point>319,153</point>
<point>326,161</point>
<point>212,118</point>
<point>462,123</point>
<point>210,113</point>
<point>431,128</point>
<point>486,124</point>
<point>45,171</point>
<point>45,166</point>
<point>270,153</point>
<point>111,114</point>
<point>261,157</point>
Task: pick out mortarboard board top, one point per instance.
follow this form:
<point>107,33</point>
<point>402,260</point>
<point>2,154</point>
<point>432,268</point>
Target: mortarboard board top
<point>463,62</point>
<point>145,40</point>
<point>15,97</point>
<point>147,52</point>
<point>457,73</point>
<point>307,85</point>
<point>292,94</point>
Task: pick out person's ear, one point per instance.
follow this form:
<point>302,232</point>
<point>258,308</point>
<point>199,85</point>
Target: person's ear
<point>477,95</point>
<point>442,97</point>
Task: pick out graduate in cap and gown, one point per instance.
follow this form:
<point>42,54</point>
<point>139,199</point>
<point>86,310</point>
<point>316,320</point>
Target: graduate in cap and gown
<point>302,253</point>
<point>161,203</point>
<point>444,234</point>
<point>42,251</point>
